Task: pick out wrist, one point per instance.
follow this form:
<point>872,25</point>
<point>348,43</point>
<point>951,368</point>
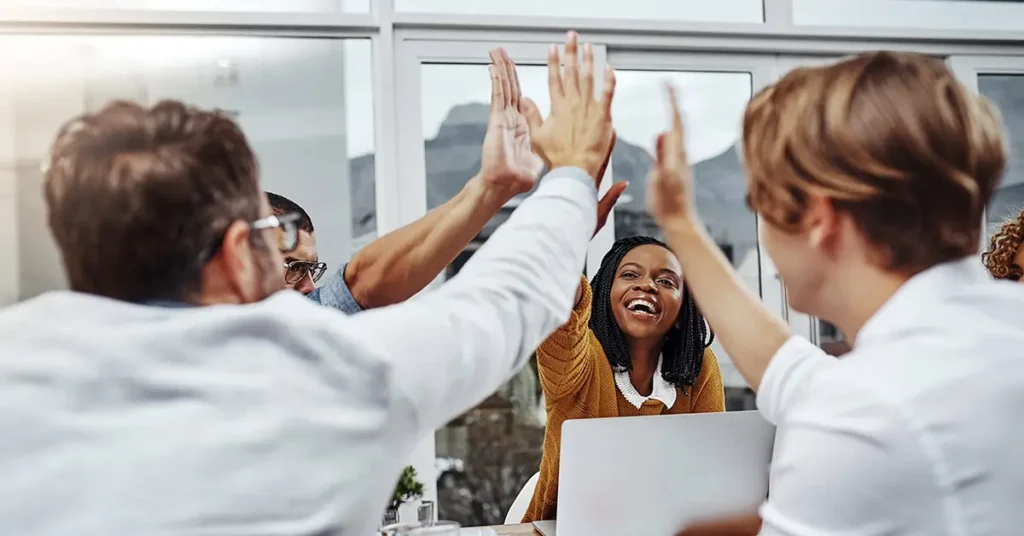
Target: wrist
<point>683,229</point>
<point>487,198</point>
<point>591,166</point>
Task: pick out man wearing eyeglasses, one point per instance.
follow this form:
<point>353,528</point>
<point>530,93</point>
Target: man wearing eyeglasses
<point>173,390</point>
<point>399,264</point>
<point>302,266</point>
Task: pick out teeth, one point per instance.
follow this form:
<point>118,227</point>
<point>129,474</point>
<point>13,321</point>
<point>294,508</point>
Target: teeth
<point>641,305</point>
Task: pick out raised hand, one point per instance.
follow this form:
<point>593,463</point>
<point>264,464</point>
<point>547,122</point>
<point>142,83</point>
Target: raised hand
<point>579,130</point>
<point>670,184</point>
<point>508,164</point>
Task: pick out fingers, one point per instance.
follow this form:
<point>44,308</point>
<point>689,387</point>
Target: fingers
<point>504,68</point>
<point>571,78</point>
<point>532,113</point>
<point>678,139</point>
<point>587,73</point>
<point>608,91</point>
<point>605,205</point>
<point>659,148</point>
<point>517,90</point>
<point>555,75</point>
<point>497,92</point>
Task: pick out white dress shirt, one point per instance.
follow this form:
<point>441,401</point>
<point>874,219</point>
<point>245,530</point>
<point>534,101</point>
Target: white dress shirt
<point>282,417</point>
<point>917,431</point>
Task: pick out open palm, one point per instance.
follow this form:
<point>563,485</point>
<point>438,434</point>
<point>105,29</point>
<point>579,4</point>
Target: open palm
<point>508,163</point>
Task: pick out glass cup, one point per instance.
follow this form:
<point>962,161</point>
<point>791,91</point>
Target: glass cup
<point>425,513</point>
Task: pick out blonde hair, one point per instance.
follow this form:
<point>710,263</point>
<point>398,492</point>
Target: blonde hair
<point>891,139</point>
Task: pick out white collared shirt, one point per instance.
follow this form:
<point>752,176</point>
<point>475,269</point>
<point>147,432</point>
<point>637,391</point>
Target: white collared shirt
<point>663,391</point>
<point>282,417</point>
<point>918,431</point>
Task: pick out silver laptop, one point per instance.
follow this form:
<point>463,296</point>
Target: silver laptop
<point>653,475</point>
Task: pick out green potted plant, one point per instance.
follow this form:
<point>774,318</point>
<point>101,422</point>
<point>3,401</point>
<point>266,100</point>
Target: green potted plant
<point>407,490</point>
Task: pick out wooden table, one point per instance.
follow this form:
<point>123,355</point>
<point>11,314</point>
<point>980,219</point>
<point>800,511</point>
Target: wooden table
<point>525,529</point>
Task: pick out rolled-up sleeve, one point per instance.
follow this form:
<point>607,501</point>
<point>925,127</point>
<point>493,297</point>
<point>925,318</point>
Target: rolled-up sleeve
<point>335,294</point>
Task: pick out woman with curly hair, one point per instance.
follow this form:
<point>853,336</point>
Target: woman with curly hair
<point>1005,258</point>
<point>635,344</point>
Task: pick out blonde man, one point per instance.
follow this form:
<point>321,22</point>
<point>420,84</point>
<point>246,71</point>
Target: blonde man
<point>871,176</point>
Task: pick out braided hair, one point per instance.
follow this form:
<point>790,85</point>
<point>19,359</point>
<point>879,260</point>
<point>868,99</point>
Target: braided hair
<point>683,351</point>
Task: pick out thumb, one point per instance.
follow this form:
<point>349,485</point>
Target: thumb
<point>604,206</point>
<point>532,113</point>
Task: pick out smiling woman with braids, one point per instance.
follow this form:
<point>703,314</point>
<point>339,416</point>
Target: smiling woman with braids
<point>1004,258</point>
<point>635,344</point>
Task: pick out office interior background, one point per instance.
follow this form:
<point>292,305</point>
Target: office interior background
<point>371,112</point>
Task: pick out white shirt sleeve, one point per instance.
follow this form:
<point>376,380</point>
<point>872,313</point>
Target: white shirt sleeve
<point>449,349</point>
<point>847,463</point>
<point>789,372</point>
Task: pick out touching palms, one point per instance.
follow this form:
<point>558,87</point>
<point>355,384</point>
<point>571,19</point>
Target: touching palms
<point>508,162</point>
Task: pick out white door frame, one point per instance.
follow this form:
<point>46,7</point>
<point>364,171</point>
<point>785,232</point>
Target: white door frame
<point>967,69</point>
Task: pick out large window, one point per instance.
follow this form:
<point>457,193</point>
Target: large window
<point>749,11</point>
<point>305,105</point>
<point>713,104</point>
<point>1007,92</point>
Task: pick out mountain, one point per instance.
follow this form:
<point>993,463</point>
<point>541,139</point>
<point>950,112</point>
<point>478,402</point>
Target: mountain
<point>453,156</point>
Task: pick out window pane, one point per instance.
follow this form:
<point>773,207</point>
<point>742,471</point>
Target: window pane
<point>738,11</point>
<point>926,14</point>
<point>1007,92</point>
<point>831,339</point>
<point>305,105</point>
<point>487,454</point>
<point>713,104</point>
<point>347,6</point>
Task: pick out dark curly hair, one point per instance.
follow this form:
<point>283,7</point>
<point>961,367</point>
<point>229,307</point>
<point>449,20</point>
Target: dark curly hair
<point>683,351</point>
<point>1002,248</point>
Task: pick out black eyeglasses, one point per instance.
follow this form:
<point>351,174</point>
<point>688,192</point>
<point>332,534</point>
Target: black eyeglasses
<point>294,271</point>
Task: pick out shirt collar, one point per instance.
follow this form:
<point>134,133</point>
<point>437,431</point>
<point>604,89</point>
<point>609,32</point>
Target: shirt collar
<point>663,391</point>
<point>920,293</point>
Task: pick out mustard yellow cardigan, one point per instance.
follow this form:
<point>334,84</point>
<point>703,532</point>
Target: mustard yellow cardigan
<point>579,383</point>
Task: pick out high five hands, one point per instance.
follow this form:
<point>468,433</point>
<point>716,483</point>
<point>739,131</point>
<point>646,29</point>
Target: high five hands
<point>670,184</point>
<point>578,132</point>
<point>508,164</point>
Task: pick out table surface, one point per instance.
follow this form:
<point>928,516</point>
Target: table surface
<point>525,529</point>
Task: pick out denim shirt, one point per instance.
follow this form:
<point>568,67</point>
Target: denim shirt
<point>336,294</point>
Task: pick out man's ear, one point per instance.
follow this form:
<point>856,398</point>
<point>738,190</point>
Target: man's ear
<point>238,261</point>
<point>821,222</point>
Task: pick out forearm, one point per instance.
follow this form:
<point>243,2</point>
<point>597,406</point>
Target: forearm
<point>396,266</point>
<point>749,332</point>
<point>460,343</point>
